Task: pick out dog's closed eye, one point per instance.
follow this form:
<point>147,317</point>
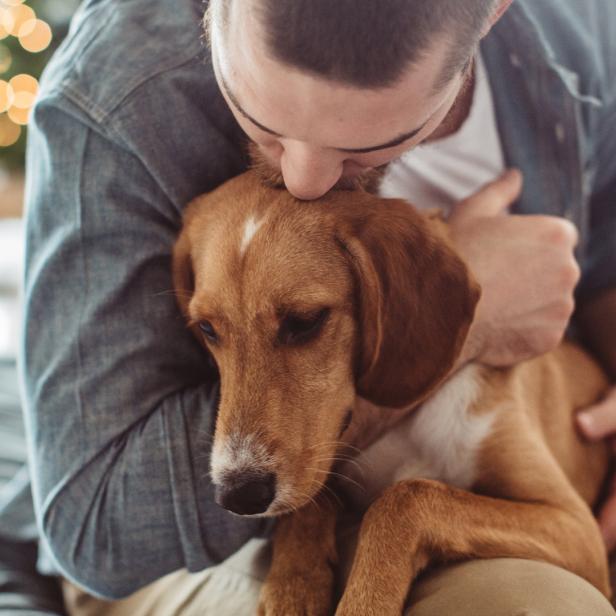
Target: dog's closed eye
<point>297,329</point>
<point>208,331</point>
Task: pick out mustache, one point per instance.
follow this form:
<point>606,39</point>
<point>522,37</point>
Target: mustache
<point>368,181</point>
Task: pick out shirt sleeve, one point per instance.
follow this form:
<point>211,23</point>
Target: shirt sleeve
<point>119,398</point>
<point>599,268</point>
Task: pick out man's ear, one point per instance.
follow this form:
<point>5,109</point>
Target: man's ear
<point>416,302</point>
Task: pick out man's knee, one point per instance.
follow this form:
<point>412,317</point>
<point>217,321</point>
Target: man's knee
<point>505,587</point>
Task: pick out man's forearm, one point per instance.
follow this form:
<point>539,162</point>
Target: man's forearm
<point>597,320</point>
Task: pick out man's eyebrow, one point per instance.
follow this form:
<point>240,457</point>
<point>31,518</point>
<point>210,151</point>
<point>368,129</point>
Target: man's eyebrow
<point>390,144</point>
<point>232,98</point>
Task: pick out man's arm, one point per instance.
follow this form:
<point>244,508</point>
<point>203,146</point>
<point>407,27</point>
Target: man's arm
<point>119,398</point>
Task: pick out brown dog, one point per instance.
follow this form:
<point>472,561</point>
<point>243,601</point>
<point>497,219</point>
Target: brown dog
<point>310,309</point>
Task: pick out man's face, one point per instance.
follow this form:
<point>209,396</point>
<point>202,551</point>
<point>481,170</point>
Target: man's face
<point>317,131</point>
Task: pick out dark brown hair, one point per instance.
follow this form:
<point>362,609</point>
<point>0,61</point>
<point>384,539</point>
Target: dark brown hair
<point>369,43</point>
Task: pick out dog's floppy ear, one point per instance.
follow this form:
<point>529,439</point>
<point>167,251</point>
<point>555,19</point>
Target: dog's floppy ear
<point>416,301</point>
<point>183,273</point>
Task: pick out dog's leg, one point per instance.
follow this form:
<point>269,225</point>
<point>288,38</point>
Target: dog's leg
<point>419,522</point>
<point>301,577</point>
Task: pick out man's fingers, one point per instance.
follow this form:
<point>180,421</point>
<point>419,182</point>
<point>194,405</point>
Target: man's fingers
<point>492,199</point>
<point>598,421</point>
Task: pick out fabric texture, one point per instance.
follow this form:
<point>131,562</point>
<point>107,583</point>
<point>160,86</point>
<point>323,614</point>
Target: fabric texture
<point>466,589</point>
<point>129,126</point>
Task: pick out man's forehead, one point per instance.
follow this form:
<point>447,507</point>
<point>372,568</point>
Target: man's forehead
<point>274,97</point>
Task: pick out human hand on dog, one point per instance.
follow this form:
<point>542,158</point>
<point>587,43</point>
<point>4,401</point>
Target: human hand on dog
<point>526,268</point>
<point>598,422</point>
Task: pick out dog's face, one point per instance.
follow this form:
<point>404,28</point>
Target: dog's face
<point>302,306</point>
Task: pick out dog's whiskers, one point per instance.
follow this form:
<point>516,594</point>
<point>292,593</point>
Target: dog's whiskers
<point>342,476</point>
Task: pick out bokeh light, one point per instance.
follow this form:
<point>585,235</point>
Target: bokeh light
<point>6,58</point>
<point>24,83</point>
<point>19,116</point>
<point>35,35</point>
<point>20,15</point>
<point>9,131</point>
<point>6,22</point>
<point>7,96</point>
<point>20,26</point>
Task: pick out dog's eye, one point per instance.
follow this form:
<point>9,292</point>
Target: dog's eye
<point>296,329</point>
<point>208,331</point>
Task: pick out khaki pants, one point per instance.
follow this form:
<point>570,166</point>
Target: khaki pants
<point>497,587</point>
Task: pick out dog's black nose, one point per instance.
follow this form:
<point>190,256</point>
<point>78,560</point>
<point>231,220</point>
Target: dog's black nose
<point>247,494</point>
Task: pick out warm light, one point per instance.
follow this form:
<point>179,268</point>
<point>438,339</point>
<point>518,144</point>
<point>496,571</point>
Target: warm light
<point>7,96</point>
<point>9,132</point>
<point>20,15</point>
<point>23,100</point>
<point>24,83</point>
<point>19,116</point>
<point>35,35</point>
<point>6,22</point>
<point>12,2</point>
<point>6,58</point>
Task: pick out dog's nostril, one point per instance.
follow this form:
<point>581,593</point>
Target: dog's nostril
<point>247,494</point>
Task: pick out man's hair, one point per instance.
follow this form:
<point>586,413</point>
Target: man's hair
<point>368,43</point>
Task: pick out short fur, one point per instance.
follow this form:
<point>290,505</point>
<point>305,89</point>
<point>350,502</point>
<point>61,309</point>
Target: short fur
<point>400,304</point>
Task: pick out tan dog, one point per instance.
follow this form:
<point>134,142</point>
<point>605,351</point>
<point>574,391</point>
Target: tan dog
<point>312,308</point>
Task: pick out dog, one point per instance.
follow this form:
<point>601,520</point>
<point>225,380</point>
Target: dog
<point>319,312</point>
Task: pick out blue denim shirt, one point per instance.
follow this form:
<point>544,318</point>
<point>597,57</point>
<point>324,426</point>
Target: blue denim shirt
<point>128,128</point>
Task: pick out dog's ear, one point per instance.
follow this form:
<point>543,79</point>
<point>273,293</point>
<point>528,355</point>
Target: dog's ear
<point>183,273</point>
<point>416,301</point>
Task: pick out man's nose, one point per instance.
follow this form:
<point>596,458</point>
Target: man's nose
<point>308,171</point>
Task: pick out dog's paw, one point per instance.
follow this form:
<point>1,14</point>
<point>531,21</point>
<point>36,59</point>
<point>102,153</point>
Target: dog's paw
<point>296,595</point>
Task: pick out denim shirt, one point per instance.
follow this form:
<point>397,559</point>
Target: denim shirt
<point>129,127</point>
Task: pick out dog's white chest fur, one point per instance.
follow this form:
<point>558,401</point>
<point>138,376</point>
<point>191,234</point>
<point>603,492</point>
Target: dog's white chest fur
<point>439,440</point>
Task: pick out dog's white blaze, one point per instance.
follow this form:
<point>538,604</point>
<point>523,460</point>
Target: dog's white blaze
<point>439,441</point>
<point>239,453</point>
<point>250,229</point>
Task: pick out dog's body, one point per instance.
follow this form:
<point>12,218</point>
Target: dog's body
<point>305,306</point>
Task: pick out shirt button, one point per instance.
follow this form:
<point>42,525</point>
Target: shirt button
<point>559,130</point>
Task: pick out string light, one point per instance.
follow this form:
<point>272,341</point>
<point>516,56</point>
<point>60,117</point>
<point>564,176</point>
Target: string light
<point>6,58</point>
<point>17,96</point>
<point>9,131</point>
<point>35,35</point>
<point>6,22</point>
<point>20,15</point>
<point>7,96</point>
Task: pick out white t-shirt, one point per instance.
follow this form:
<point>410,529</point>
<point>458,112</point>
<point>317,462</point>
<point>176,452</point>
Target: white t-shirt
<point>438,174</point>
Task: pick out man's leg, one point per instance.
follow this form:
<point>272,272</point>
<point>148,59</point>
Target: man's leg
<point>497,587</point>
<point>229,589</point>
<point>505,587</point>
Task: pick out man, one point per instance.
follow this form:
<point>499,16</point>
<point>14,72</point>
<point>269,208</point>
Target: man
<point>131,124</point>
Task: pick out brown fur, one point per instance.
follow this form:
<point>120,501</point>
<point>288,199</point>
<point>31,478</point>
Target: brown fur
<point>401,302</point>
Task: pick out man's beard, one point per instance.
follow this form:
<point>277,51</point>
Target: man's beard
<point>368,181</point>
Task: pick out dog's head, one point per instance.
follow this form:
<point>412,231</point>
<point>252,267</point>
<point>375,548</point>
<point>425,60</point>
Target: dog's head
<point>305,305</point>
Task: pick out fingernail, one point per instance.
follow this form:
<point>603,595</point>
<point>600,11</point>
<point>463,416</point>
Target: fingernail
<point>587,422</point>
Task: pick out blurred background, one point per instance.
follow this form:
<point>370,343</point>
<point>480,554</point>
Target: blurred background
<point>30,30</point>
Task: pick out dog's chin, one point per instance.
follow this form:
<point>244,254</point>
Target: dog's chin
<point>369,181</point>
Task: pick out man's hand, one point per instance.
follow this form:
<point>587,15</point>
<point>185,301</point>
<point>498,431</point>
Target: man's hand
<point>526,268</point>
<point>595,423</point>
